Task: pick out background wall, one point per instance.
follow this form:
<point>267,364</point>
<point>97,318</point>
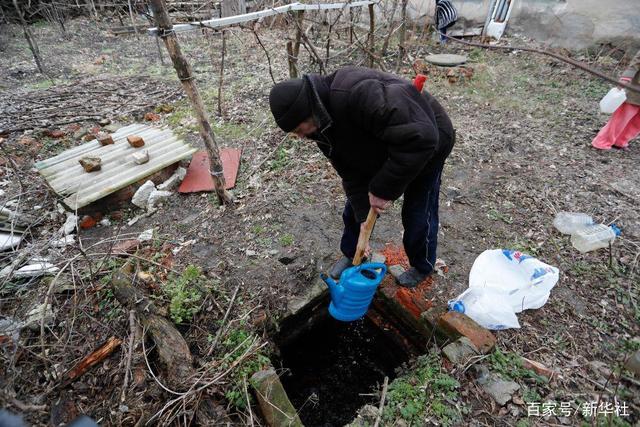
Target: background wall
<point>572,24</point>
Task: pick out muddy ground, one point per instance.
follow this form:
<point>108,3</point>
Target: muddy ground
<point>524,126</point>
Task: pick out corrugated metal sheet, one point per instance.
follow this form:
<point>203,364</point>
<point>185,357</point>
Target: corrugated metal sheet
<point>67,178</point>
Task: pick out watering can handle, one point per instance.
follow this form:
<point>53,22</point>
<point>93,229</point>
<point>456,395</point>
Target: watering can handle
<point>363,238</point>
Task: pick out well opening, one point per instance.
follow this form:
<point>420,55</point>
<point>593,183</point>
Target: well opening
<point>330,368</point>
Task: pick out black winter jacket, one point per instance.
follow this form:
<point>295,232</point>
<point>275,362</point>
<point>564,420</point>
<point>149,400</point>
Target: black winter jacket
<point>378,131</point>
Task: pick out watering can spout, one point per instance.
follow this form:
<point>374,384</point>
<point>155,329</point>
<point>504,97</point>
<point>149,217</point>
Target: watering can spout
<point>334,288</point>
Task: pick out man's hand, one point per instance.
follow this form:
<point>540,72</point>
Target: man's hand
<point>378,204</point>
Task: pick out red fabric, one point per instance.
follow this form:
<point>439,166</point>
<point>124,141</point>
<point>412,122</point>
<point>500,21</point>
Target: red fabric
<point>622,127</point>
<point>418,82</point>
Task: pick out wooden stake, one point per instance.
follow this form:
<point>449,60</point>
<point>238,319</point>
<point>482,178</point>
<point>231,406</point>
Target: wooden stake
<point>293,73</point>
<point>183,69</point>
<point>296,46</point>
<point>221,77</point>
<point>385,45</point>
<point>92,359</point>
<point>372,27</point>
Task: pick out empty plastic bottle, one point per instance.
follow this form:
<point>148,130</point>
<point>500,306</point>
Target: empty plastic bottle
<point>594,237</point>
<point>612,100</point>
<point>570,222</point>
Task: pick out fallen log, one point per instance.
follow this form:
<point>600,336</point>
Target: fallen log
<point>92,359</point>
<point>173,352</point>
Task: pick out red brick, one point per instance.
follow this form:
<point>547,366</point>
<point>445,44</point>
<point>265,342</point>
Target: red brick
<point>151,117</point>
<point>455,324</point>
<point>87,222</point>
<point>135,141</point>
<point>104,138</point>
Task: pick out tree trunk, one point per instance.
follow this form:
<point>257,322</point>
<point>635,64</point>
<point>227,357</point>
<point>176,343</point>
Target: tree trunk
<point>372,27</point>
<point>183,69</point>
<point>173,351</point>
<point>221,78</point>
<point>33,46</point>
<point>403,32</point>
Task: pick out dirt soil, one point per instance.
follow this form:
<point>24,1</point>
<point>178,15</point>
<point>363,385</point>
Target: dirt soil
<point>524,125</point>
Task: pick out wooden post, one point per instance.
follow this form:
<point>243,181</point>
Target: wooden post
<point>372,27</point>
<point>33,46</point>
<point>221,78</point>
<point>183,69</point>
<point>293,73</point>
<point>385,45</point>
<point>403,32</point>
<point>296,46</point>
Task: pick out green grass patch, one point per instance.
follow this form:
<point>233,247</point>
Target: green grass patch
<point>509,366</point>
<point>185,293</point>
<point>424,391</point>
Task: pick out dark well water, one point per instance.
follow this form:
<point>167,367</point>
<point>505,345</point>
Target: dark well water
<point>328,367</point>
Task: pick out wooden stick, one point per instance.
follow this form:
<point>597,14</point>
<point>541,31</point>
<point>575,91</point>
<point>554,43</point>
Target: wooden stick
<point>382,399</point>
<point>92,359</point>
<point>183,69</point>
<point>127,369</point>
<point>363,238</point>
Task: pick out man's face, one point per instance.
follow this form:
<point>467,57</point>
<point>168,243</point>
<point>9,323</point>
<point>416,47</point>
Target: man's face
<point>306,128</point>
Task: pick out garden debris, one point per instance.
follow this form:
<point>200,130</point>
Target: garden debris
<point>10,327</point>
<point>174,180</point>
<point>141,197</point>
<point>40,268</point>
<point>275,405</point>
<point>460,351</point>
<point>38,314</point>
<point>151,117</point>
<point>118,170</point>
<point>87,222</point>
<point>539,368</point>
<point>146,235</point>
<point>69,225</point>
<point>126,247</point>
<point>198,176</point>
<point>104,138</point>
<point>91,164</point>
<point>9,240</point>
<point>135,141</point>
<point>64,241</point>
<point>92,359</point>
<point>140,157</point>
<point>156,197</point>
<point>499,389</point>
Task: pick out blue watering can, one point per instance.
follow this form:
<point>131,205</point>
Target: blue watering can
<point>351,296</point>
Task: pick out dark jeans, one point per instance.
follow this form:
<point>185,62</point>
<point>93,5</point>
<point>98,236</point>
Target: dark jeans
<point>419,219</point>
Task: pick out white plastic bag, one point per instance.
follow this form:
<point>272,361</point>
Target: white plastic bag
<point>509,281</point>
<point>612,100</point>
<point>487,307</point>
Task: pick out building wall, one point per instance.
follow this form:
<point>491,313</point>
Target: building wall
<point>572,24</point>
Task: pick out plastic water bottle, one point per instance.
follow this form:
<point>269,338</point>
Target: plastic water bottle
<point>570,222</point>
<point>487,307</point>
<point>594,237</point>
<point>612,100</point>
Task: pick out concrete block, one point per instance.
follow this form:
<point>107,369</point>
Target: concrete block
<point>460,351</point>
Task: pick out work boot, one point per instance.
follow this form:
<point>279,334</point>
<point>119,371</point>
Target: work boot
<point>340,266</point>
<point>411,278</point>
